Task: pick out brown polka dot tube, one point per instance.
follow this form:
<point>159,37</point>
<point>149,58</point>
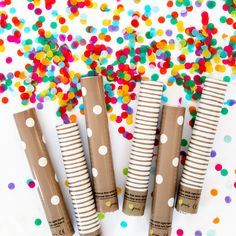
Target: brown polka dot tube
<point>99,144</point>
<point>40,164</point>
<point>166,171</point>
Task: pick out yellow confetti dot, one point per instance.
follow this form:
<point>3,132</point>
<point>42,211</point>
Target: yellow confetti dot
<point>64,29</point>
<point>112,117</point>
<point>220,68</point>
<point>67,183</point>
<point>180,26</point>
<point>2,48</point>
<point>148,22</point>
<point>160,32</point>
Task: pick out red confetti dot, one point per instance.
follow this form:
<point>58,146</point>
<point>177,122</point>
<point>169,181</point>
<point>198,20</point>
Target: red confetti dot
<point>4,100</point>
<point>218,167</point>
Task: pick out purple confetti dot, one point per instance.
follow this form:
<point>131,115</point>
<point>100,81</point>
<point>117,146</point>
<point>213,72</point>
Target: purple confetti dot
<point>169,32</point>
<point>11,186</point>
<point>228,199</point>
<point>198,233</point>
<point>213,153</point>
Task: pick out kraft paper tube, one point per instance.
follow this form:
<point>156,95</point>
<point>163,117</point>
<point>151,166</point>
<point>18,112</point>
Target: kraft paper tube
<point>200,146</point>
<point>99,144</point>
<point>40,163</point>
<point>78,179</point>
<point>166,171</point>
<point>145,128</point>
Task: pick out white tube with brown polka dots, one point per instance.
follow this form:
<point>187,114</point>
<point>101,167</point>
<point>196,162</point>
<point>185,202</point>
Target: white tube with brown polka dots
<point>99,144</point>
<point>78,179</point>
<point>42,169</point>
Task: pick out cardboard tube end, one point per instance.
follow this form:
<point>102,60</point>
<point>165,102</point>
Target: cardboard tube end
<point>188,200</point>
<point>134,203</point>
<point>95,233</point>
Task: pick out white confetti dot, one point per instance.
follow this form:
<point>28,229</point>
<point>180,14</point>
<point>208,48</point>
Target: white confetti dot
<point>159,179</point>
<point>30,122</point>
<point>163,138</point>
<point>102,150</point>
<point>84,91</point>
<point>89,132</point>
<point>55,200</point>
<point>97,110</point>
<point>171,202</point>
<point>175,162</point>
<point>180,120</point>
<point>43,161</point>
<point>94,172</point>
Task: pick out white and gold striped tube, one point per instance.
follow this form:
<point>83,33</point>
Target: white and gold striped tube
<point>78,179</point>
<point>145,129</point>
<point>200,146</point>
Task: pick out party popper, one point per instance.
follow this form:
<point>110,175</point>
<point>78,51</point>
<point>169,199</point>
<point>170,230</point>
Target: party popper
<point>166,170</point>
<point>78,179</point>
<point>99,144</point>
<point>42,169</point>
<point>142,148</point>
<point>200,146</point>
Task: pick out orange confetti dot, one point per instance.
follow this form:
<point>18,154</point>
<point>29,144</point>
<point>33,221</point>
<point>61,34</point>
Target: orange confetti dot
<point>73,118</point>
<point>214,192</point>
<point>5,100</point>
<point>169,4</point>
<point>216,220</point>
<point>161,19</point>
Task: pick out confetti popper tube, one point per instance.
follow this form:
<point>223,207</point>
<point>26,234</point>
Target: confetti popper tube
<point>99,144</point>
<point>200,146</point>
<point>40,163</point>
<point>145,128</point>
<point>78,179</point>
<point>166,170</point>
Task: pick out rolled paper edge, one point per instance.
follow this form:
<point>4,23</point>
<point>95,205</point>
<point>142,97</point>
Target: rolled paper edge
<point>188,200</point>
<point>59,127</point>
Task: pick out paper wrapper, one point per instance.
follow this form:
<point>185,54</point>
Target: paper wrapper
<point>99,144</point>
<point>78,179</point>
<point>200,146</point>
<point>142,147</point>
<point>166,171</point>
<point>40,163</point>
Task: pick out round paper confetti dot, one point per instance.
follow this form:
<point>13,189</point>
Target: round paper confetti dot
<point>55,200</point>
<point>175,162</point>
<point>159,179</point>
<point>123,224</point>
<point>101,216</point>
<point>30,122</point>
<point>43,161</point>
<point>89,132</point>
<point>214,192</point>
<point>171,202</point>
<point>224,172</point>
<point>97,110</point>
<point>198,233</point>
<point>180,232</point>
<point>213,153</point>
<point>38,222</point>
<point>228,199</point>
<point>94,172</point>
<point>163,138</point>
<point>30,183</point>
<point>180,120</point>
<point>227,139</point>
<point>102,150</point>
<point>11,186</point>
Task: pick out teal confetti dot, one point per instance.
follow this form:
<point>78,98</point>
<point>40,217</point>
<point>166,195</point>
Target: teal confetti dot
<point>38,222</point>
<point>123,224</point>
<point>227,139</point>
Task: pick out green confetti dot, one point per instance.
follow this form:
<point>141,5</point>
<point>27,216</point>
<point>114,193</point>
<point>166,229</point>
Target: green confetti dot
<point>223,19</point>
<point>53,25</point>
<point>120,40</point>
<point>211,4</point>
<point>224,172</point>
<point>125,171</point>
<point>184,142</point>
<point>101,216</point>
<point>226,79</point>
<point>38,222</point>
<point>155,77</point>
<point>224,111</point>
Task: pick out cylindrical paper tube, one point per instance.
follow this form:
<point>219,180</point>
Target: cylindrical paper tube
<point>39,161</point>
<point>78,179</point>
<point>99,144</point>
<point>200,146</point>
<point>166,170</point>
<point>145,128</point>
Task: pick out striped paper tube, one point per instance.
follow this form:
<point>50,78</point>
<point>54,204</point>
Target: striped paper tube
<point>78,179</point>
<point>200,146</point>
<point>166,170</point>
<point>145,128</point>
<point>99,144</point>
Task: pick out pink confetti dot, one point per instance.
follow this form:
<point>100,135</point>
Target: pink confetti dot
<point>180,232</point>
<point>218,167</point>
